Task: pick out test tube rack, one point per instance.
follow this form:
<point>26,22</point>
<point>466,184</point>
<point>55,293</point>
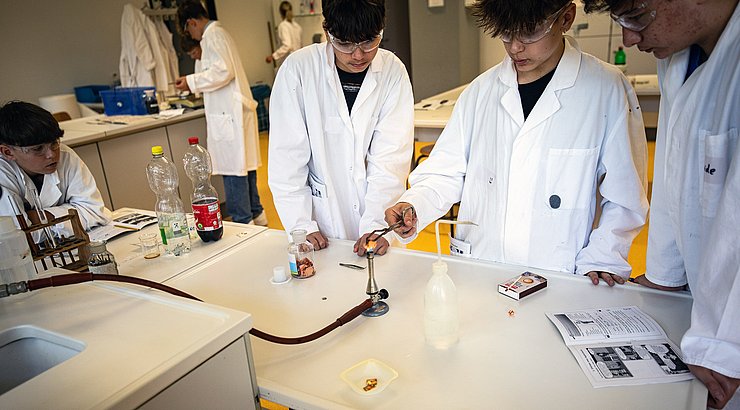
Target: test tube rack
<point>62,255</point>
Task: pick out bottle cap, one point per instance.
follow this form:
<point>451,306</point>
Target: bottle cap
<point>7,224</point>
<point>157,150</point>
<point>439,267</point>
<point>97,246</point>
<point>298,235</point>
<point>193,140</point>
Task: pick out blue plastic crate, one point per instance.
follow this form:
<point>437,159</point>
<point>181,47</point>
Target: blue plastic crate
<point>125,101</point>
<point>90,93</point>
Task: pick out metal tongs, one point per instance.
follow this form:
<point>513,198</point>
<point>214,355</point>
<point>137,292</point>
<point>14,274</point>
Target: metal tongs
<point>380,232</point>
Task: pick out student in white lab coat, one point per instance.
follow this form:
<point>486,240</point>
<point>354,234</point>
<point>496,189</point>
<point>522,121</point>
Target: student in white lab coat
<point>231,113</point>
<point>341,129</point>
<point>533,147</point>
<point>694,234</point>
<point>289,33</point>
<point>34,164</point>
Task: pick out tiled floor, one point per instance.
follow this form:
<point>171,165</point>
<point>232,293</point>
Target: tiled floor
<point>426,240</point>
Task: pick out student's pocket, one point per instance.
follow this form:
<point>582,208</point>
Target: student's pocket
<point>569,179</point>
<point>220,127</point>
<point>714,152</point>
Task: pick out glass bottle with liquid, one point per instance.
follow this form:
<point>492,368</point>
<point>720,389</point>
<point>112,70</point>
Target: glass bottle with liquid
<point>101,261</point>
<point>301,255</point>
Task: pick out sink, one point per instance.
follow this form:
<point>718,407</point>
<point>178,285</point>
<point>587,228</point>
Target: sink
<point>28,351</point>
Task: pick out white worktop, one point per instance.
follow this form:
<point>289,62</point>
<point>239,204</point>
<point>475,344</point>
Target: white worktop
<point>135,343</point>
<point>500,361</point>
<point>89,129</point>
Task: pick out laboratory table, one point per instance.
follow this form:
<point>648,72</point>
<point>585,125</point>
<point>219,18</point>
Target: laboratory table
<point>502,360</point>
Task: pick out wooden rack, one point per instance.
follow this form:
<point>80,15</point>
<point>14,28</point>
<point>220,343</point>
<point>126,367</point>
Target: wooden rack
<point>61,255</point>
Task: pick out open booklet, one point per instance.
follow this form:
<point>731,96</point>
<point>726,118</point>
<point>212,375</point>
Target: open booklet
<point>620,346</point>
<point>123,220</point>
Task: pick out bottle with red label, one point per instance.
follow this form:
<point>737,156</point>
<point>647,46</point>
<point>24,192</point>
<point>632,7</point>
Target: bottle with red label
<point>206,208</point>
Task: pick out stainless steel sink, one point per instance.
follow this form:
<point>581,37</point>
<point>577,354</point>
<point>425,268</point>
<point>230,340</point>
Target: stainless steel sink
<point>28,351</point>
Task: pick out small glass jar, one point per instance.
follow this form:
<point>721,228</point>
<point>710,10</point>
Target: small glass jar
<point>301,255</point>
<point>101,261</point>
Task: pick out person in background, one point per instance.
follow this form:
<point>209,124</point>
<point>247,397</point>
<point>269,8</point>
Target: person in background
<point>35,164</point>
<point>694,234</point>
<point>289,32</point>
<point>231,115</point>
<point>341,129</point>
<point>534,147</point>
<point>193,50</point>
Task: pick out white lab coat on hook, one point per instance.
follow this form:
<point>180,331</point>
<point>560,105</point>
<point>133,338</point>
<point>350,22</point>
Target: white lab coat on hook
<point>531,185</point>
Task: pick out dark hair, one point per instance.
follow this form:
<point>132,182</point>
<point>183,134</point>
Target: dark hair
<point>496,17</point>
<point>188,43</point>
<point>23,124</point>
<point>190,9</point>
<point>354,20</point>
<point>600,5</point>
<point>284,7</point>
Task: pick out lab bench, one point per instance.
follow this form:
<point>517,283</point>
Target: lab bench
<point>117,154</point>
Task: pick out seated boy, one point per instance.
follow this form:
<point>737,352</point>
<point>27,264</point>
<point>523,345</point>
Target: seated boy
<point>35,164</point>
<point>530,145</point>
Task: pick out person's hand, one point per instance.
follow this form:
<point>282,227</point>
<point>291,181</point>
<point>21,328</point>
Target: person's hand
<point>318,240</point>
<point>268,59</point>
<point>35,218</point>
<point>721,388</point>
<point>402,211</point>
<point>182,84</point>
<point>609,278</point>
<point>644,281</point>
<point>381,245</point>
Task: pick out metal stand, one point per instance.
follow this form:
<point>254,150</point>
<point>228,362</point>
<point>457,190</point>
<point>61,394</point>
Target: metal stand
<point>379,308</point>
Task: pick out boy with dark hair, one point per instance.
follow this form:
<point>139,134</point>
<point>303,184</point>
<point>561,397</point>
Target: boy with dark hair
<point>694,235</point>
<point>530,145</point>
<point>289,33</point>
<point>231,112</point>
<point>341,129</point>
<point>33,163</point>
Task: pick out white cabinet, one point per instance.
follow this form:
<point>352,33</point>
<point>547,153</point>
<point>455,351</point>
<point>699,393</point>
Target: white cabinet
<point>91,157</point>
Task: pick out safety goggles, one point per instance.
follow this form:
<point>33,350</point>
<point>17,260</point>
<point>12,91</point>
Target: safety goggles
<point>41,149</point>
<point>349,47</point>
<point>636,19</point>
<point>538,33</point>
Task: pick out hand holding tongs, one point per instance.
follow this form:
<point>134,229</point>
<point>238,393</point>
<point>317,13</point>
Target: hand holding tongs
<point>380,232</point>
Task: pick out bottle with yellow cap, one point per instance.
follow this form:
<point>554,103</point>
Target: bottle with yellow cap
<point>173,225</point>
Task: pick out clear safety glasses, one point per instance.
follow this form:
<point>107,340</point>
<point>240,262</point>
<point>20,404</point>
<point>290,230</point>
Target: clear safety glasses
<point>41,149</point>
<point>538,33</point>
<point>636,19</point>
<point>349,47</point>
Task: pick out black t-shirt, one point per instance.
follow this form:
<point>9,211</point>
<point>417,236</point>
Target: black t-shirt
<point>351,83</point>
<point>531,92</point>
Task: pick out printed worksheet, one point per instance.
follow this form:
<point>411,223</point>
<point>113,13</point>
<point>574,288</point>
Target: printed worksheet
<point>124,220</point>
<point>620,347</point>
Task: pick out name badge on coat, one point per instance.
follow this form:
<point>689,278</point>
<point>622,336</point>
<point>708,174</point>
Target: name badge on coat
<point>317,188</point>
<point>460,248</point>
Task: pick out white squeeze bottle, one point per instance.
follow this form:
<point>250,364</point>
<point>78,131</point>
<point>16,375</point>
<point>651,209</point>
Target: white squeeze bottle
<point>441,311</point>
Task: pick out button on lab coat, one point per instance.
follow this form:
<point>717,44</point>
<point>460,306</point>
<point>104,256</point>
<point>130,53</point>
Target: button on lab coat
<point>231,112</point>
<point>329,170</point>
<point>694,233</point>
<point>531,185</point>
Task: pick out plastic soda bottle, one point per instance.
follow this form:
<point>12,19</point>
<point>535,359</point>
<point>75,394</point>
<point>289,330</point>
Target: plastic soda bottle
<point>16,262</point>
<point>173,225</point>
<point>204,198</point>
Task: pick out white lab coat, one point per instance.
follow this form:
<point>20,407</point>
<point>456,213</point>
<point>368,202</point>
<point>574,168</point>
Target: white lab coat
<point>694,232</point>
<point>71,186</point>
<point>329,170</point>
<point>289,34</point>
<point>231,112</point>
<point>585,132</point>
<point>137,62</point>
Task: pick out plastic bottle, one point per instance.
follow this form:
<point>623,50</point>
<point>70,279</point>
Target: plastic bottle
<point>101,261</point>
<point>441,318</point>
<point>204,199</point>
<point>16,262</point>
<point>173,226</point>
<point>300,255</point>
<point>150,100</point>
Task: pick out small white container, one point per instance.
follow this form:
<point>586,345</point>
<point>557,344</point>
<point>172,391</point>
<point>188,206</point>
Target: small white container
<point>16,262</point>
<point>358,375</point>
